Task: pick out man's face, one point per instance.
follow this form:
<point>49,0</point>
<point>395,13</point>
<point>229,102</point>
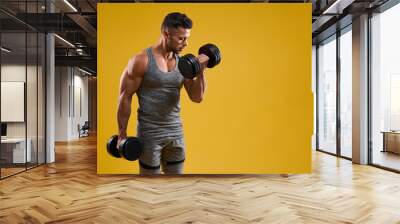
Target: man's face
<point>177,39</point>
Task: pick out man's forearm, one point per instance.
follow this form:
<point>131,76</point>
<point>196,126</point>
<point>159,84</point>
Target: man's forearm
<point>198,88</point>
<point>124,111</point>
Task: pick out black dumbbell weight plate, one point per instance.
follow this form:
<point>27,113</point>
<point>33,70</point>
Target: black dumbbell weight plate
<point>112,146</point>
<point>213,53</point>
<point>188,66</point>
<point>217,53</point>
<point>131,148</point>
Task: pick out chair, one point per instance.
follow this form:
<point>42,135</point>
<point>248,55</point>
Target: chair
<point>84,130</point>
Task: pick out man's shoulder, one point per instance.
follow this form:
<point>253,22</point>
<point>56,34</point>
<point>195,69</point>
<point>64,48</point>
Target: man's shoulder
<point>138,62</point>
<point>140,57</point>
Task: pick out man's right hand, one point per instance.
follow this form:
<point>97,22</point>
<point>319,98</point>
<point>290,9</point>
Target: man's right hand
<point>120,139</point>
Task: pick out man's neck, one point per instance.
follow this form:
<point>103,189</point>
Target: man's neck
<point>162,49</point>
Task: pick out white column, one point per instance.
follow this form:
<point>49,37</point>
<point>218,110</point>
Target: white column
<point>50,92</point>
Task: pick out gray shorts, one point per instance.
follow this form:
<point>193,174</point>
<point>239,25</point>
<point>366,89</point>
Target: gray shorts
<point>168,152</point>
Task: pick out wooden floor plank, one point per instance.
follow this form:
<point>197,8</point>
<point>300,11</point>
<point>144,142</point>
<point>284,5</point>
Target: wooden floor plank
<point>70,191</point>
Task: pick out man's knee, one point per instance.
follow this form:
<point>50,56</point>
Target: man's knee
<point>148,170</point>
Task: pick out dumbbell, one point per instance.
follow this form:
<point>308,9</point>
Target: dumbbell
<point>189,65</point>
<point>130,148</point>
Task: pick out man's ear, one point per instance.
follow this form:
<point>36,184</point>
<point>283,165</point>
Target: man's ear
<point>165,33</point>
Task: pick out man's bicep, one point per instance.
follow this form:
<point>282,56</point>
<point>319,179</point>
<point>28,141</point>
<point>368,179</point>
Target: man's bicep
<point>132,84</point>
<point>133,76</point>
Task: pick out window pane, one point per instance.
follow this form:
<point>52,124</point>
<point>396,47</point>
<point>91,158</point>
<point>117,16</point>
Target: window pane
<point>327,96</point>
<point>31,97</point>
<point>346,93</point>
<point>14,153</point>
<point>386,88</point>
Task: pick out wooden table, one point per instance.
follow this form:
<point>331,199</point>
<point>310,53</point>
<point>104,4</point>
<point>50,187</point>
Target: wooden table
<point>391,141</point>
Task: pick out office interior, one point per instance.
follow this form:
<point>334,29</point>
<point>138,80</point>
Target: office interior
<point>48,80</point>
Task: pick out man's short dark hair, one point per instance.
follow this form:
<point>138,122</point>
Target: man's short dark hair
<point>175,20</point>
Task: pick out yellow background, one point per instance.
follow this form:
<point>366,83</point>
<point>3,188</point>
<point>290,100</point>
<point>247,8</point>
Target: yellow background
<point>257,114</point>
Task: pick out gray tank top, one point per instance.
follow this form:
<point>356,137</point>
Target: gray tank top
<point>159,103</point>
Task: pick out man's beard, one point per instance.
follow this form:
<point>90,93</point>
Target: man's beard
<point>174,50</point>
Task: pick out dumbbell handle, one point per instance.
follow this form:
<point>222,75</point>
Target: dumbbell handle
<point>202,58</point>
<point>120,139</point>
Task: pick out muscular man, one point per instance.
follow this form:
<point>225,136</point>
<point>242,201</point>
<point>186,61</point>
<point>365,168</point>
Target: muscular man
<point>154,76</point>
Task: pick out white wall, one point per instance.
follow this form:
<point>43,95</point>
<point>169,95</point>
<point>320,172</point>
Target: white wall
<point>61,103</point>
<point>80,110</point>
<point>71,102</point>
<point>13,73</point>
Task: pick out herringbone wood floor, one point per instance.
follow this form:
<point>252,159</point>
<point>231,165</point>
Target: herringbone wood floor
<point>70,191</point>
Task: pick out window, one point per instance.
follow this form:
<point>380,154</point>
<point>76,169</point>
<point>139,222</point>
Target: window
<point>385,88</point>
<point>346,93</point>
<point>327,95</point>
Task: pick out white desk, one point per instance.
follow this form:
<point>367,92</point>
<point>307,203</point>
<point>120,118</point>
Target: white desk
<point>17,145</point>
